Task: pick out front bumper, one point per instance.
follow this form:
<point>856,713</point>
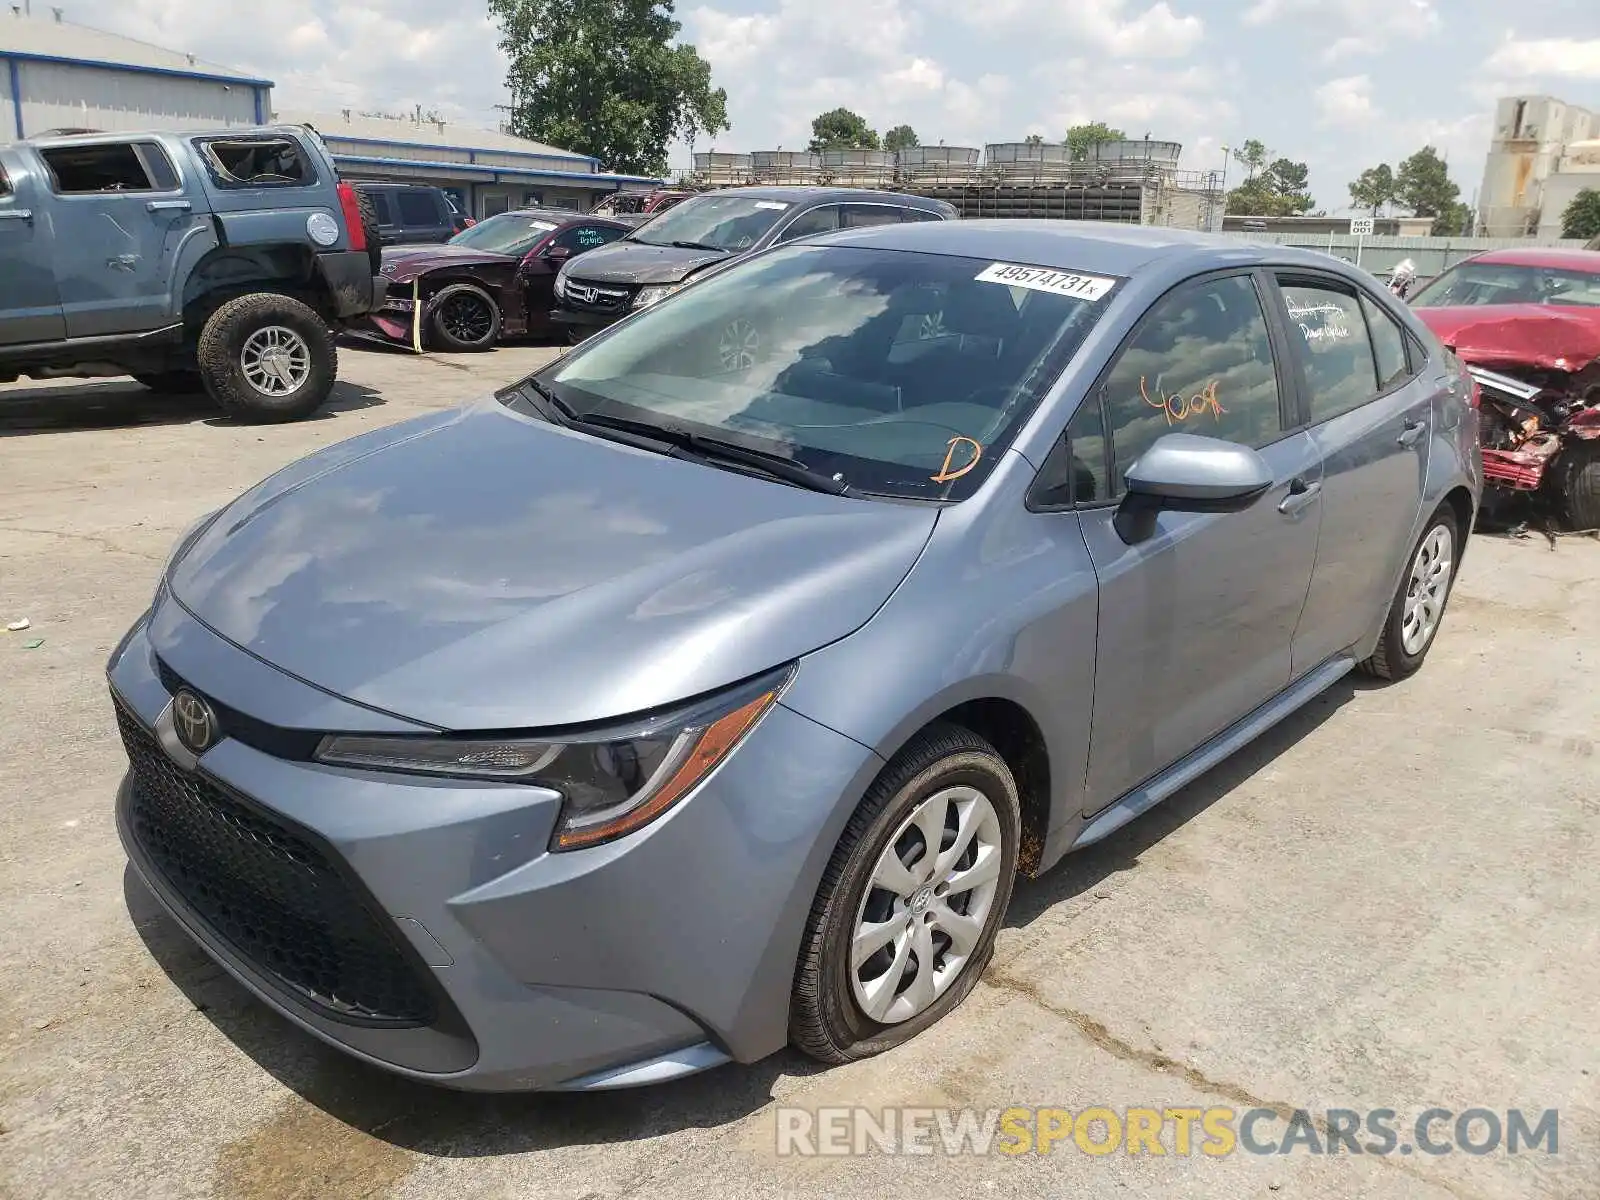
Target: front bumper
<point>444,941</point>
<point>583,319</point>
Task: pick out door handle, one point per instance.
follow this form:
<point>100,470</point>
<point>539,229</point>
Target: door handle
<point>1301,495</point>
<point>16,214</point>
<point>1412,432</point>
<point>157,206</point>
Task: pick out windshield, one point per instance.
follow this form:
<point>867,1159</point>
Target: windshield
<point>1474,283</point>
<point>718,221</point>
<point>901,374</point>
<point>509,233</point>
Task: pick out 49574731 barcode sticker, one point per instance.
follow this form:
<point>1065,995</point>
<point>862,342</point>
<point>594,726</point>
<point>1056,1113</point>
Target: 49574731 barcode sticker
<point>1044,279</point>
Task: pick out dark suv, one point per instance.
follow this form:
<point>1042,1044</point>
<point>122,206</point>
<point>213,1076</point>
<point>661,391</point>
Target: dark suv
<point>226,260</point>
<point>709,230</point>
<point>409,214</point>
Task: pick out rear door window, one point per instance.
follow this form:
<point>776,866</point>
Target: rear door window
<point>119,167</point>
<point>586,237</point>
<point>418,208</point>
<point>380,207</point>
<point>919,214</point>
<point>1329,337</point>
<point>858,216</point>
<point>1388,345</point>
<point>257,162</point>
<point>818,220</point>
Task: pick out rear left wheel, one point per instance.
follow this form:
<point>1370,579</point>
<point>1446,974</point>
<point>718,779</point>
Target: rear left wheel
<point>908,910</point>
<point>267,357</point>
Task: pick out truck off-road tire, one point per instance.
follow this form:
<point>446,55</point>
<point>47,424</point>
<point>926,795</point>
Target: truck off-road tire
<point>906,916</point>
<point>173,383</point>
<point>1417,609</point>
<point>1580,486</point>
<point>369,227</point>
<point>267,358</point>
<point>463,316</point>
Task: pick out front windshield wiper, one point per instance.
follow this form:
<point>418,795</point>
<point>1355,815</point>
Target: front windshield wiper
<point>697,246</point>
<point>779,467</point>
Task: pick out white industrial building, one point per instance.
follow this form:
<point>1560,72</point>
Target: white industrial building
<point>56,75</point>
<point>1542,153</point>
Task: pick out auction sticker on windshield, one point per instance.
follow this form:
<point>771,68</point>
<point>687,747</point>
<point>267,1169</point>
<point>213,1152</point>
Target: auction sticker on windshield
<point>777,204</point>
<point>1043,279</point>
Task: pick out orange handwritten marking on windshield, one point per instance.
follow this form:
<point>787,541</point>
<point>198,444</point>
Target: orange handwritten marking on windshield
<point>1179,407</point>
<point>945,474</point>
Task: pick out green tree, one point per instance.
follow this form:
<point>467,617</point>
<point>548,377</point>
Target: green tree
<point>1291,184</point>
<point>1254,155</point>
<point>1374,188</point>
<point>841,129</point>
<point>605,78</point>
<point>901,137</point>
<point>1083,138</point>
<point>1281,189</point>
<point>1455,221</point>
<point>1423,184</point>
<point>1581,218</point>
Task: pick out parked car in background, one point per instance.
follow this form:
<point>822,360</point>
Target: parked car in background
<point>409,213</point>
<point>1527,321</point>
<point>224,260</point>
<point>495,280</point>
<point>639,203</point>
<point>664,709</point>
<point>710,230</point>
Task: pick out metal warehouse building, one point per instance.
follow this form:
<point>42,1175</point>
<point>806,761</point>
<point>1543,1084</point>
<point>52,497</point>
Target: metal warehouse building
<point>487,172</point>
<point>57,75</point>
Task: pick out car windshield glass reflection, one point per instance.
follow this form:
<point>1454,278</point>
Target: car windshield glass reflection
<point>509,233</point>
<point>903,374</point>
<point>714,222</point>
<point>1507,283</point>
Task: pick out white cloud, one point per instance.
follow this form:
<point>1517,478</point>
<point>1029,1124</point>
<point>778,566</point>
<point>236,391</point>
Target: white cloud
<point>1347,47</point>
<point>1572,57</point>
<point>1346,101</point>
<point>1368,22</point>
<point>1105,25</point>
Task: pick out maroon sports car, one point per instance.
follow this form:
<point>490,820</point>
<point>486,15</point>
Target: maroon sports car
<point>489,282</point>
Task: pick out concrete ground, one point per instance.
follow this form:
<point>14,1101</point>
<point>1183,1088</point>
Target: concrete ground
<point>1388,902</point>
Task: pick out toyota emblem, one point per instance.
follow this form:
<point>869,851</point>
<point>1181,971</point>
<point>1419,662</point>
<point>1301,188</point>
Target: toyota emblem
<point>195,723</point>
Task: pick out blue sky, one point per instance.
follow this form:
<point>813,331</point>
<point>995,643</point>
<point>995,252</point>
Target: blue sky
<point>1339,84</point>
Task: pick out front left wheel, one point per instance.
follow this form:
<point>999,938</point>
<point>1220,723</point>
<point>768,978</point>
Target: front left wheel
<point>905,920</point>
<point>464,317</point>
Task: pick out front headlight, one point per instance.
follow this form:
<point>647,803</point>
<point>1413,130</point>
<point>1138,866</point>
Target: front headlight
<point>650,295</point>
<point>560,284</point>
<point>611,781</point>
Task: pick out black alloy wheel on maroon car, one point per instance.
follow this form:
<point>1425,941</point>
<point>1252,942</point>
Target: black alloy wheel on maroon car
<point>464,317</point>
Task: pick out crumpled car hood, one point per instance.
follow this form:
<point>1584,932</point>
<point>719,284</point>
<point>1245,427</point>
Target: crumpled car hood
<point>402,264</point>
<point>637,263</point>
<point>486,570</point>
<point>1545,337</point>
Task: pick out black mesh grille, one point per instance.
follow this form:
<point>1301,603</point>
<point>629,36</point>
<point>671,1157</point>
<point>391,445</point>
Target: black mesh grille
<point>269,892</point>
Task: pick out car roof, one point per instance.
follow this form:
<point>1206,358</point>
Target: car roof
<point>562,216</point>
<point>145,135</point>
<point>1543,256</point>
<point>811,194</point>
<point>1102,247</point>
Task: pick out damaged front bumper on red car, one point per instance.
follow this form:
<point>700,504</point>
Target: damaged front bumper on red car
<point>1538,366</point>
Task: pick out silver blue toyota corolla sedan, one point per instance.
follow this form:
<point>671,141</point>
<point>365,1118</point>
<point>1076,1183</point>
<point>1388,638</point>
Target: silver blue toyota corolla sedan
<point>707,690</point>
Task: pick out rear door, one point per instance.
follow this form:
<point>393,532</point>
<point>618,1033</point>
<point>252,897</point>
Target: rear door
<point>421,215</point>
<point>123,220</point>
<point>30,305</point>
<point>1196,622</point>
<point>1368,407</point>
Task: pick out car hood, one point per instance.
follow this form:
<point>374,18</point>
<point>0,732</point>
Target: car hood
<point>1540,336</point>
<point>486,570</point>
<point>401,264</point>
<point>635,262</point>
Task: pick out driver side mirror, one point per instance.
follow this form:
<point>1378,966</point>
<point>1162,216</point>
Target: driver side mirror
<point>1184,472</point>
<point>557,253</point>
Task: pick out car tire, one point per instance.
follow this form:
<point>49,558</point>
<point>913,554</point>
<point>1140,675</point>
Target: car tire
<point>1422,597</point>
<point>235,343</point>
<point>172,383</point>
<point>841,1011</point>
<point>1580,491</point>
<point>464,317</point>
<point>370,230</point>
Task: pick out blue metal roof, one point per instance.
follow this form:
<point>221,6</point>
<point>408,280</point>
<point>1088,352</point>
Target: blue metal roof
<point>135,68</point>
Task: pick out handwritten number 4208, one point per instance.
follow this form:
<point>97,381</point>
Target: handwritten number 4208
<point>1179,407</point>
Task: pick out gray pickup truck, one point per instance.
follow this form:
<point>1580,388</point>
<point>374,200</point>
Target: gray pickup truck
<point>228,260</point>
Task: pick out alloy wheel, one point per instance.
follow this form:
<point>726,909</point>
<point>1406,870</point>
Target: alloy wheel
<point>927,904</point>
<point>275,361</point>
<point>1427,589</point>
<point>466,317</point>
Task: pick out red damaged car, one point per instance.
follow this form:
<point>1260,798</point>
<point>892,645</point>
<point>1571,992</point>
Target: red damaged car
<point>1527,324</point>
<point>489,282</point>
